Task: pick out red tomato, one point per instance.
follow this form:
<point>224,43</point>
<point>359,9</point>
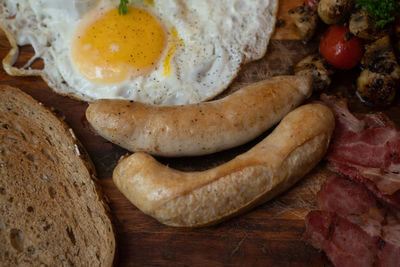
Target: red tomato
<point>311,3</point>
<point>340,48</point>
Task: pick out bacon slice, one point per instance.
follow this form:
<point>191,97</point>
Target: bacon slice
<point>354,174</point>
<point>353,202</point>
<point>344,243</point>
<point>366,148</point>
<point>343,196</point>
<point>388,255</point>
<point>359,220</point>
<point>352,227</point>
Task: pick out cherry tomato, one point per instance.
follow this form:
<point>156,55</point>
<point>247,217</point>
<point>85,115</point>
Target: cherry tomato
<point>311,3</point>
<point>340,48</point>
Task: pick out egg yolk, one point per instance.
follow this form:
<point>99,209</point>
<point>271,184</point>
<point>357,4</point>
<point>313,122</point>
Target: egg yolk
<point>112,47</point>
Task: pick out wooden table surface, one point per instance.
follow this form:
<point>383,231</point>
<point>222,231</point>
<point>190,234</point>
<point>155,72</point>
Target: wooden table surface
<point>269,235</point>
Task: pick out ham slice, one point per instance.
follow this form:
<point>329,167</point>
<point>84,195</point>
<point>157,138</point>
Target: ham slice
<point>366,148</point>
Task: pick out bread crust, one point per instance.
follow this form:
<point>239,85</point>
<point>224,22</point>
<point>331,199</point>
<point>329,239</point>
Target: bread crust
<point>191,199</point>
<point>199,129</point>
<point>51,209</point>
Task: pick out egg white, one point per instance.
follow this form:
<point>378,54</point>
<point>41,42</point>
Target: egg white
<point>214,39</point>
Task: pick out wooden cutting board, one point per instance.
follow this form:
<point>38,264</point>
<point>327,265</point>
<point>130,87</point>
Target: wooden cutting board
<point>269,235</point>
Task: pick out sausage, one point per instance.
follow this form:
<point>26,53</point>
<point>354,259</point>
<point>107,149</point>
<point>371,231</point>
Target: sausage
<point>333,11</point>
<point>190,199</point>
<point>198,129</point>
<point>318,69</point>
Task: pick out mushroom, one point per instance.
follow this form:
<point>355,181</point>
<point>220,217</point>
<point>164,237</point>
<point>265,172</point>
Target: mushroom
<point>316,67</point>
<point>362,25</point>
<point>379,79</point>
<point>305,20</point>
<point>333,11</point>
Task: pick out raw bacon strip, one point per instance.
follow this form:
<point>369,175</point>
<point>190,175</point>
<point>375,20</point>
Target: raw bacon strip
<point>388,255</point>
<point>368,145</point>
<point>344,197</point>
<point>391,230</point>
<point>352,227</point>
<point>352,201</point>
<point>354,174</point>
<point>344,243</point>
<point>351,212</point>
<point>374,120</point>
<point>345,118</point>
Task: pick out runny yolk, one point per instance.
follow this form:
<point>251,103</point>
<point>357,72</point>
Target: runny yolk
<point>111,47</point>
<point>171,51</point>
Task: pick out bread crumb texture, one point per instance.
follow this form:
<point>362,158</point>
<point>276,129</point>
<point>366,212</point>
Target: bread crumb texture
<point>51,212</point>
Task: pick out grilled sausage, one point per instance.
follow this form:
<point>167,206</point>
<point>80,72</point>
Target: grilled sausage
<point>191,199</point>
<point>199,129</point>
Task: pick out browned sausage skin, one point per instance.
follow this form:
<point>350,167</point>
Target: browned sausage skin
<point>203,128</point>
<point>189,199</point>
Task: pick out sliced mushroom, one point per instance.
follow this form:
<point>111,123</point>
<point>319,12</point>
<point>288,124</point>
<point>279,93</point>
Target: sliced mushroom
<point>378,82</point>
<point>317,68</point>
<point>363,26</point>
<point>333,11</point>
<point>376,89</point>
<point>305,19</point>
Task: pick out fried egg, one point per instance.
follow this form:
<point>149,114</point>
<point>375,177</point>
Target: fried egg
<point>163,52</point>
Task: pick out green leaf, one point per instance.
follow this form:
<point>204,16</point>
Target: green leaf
<point>382,11</point>
<point>123,8</point>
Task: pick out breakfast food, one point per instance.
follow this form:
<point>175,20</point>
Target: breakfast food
<point>161,52</point>
<point>366,148</point>
<point>305,20</point>
<point>199,129</point>
<point>372,27</point>
<point>358,220</point>
<point>380,75</point>
<point>333,11</point>
<point>318,69</point>
<point>201,198</point>
<point>352,227</point>
<point>340,48</point>
<point>362,25</point>
<point>51,212</point>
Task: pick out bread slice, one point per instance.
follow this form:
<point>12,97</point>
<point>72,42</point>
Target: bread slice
<point>51,212</point>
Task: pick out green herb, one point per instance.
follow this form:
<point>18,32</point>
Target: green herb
<point>382,11</point>
<point>122,8</point>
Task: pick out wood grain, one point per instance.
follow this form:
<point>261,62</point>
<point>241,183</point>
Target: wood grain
<point>270,235</point>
